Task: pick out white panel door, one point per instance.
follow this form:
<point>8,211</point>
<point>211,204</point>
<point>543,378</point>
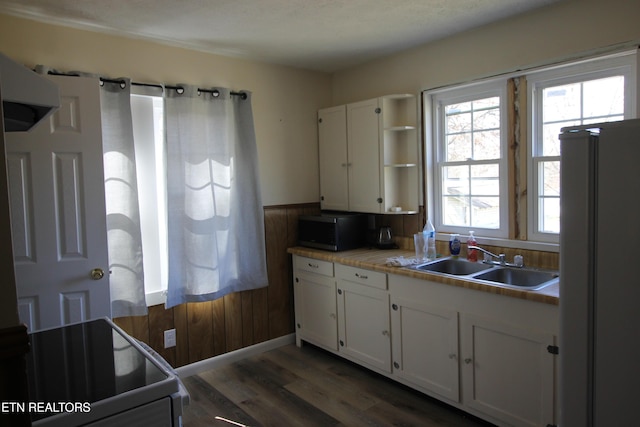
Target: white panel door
<point>425,345</point>
<point>334,164</point>
<point>58,212</point>
<point>364,157</point>
<point>507,372</point>
<point>364,324</point>
<point>316,310</point>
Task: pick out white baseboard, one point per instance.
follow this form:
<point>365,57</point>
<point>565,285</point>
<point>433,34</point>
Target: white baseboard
<point>234,356</point>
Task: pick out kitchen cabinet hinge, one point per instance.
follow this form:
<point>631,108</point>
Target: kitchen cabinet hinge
<point>553,349</point>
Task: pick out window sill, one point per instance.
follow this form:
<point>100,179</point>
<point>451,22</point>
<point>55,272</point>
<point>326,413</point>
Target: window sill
<point>156,298</point>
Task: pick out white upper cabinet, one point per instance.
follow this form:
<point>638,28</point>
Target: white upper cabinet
<point>364,156</point>
<point>369,156</point>
<point>334,164</point>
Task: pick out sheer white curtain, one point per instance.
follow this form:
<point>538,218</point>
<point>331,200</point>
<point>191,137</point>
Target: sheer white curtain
<point>215,213</point>
<point>121,194</point>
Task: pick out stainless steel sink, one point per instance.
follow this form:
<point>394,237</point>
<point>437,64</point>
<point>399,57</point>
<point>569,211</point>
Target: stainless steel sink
<point>519,278</point>
<point>457,267</point>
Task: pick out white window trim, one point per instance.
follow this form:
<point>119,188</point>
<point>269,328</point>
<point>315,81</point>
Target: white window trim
<point>493,87</point>
<point>624,63</point>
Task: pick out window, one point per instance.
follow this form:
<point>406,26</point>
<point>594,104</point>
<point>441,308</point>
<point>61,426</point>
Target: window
<point>470,158</point>
<point>147,114</point>
<point>590,92</point>
<point>469,184</point>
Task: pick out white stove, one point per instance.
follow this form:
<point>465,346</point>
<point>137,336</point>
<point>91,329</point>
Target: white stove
<point>94,374</point>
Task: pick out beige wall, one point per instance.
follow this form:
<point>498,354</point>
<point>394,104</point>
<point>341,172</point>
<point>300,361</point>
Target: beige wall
<point>565,30</point>
<point>285,100</point>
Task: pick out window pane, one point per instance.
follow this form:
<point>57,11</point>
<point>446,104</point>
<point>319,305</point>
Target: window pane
<point>455,211</point>
<point>458,122</point>
<point>493,102</point>
<point>549,215</point>
<point>486,119</point>
<point>470,192</point>
<point>457,108</point>
<point>473,130</point>
<point>486,145</point>
<point>551,137</point>
<point>485,180</point>
<point>485,212</point>
<point>561,103</point>
<point>549,173</point>
<point>604,97</point>
<point>456,180</point>
<point>458,147</point>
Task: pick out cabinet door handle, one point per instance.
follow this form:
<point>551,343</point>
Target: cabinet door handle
<point>396,365</point>
<point>313,265</point>
<point>385,333</point>
<point>395,307</point>
<point>339,291</point>
<point>453,356</point>
<point>332,315</point>
<point>361,276</point>
<point>467,361</point>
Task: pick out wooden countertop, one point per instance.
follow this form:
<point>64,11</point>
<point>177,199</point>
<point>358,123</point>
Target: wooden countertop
<point>376,259</point>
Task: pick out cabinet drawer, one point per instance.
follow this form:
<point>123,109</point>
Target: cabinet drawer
<point>362,276</point>
<point>314,266</point>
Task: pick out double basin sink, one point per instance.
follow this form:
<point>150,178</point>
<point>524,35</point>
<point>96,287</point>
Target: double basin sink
<point>511,277</point>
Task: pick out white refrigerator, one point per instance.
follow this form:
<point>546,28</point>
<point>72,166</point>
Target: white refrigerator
<point>600,275</point>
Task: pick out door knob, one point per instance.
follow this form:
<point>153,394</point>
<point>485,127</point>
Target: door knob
<point>97,274</point>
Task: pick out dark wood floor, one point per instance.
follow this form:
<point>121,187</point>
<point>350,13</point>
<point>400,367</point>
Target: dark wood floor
<point>293,386</point>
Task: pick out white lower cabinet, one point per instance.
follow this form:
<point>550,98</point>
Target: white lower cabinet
<point>499,350</point>
<point>507,371</point>
<point>364,332</point>
<point>425,346</point>
<point>491,355</point>
<point>315,303</point>
<point>364,329</point>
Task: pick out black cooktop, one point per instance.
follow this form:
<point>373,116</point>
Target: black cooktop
<point>86,362</point>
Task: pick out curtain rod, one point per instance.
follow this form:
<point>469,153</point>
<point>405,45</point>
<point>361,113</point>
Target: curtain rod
<point>179,89</point>
<point>214,92</point>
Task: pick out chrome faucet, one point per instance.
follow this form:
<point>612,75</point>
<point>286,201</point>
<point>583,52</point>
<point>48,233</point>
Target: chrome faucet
<point>502,258</point>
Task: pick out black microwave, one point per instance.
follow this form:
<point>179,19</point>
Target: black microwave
<point>332,231</point>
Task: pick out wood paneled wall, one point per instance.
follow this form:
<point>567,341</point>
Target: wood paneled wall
<point>207,329</point>
<point>238,320</point>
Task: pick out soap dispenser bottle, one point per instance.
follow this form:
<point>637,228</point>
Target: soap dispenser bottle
<point>454,245</point>
<point>472,254</point>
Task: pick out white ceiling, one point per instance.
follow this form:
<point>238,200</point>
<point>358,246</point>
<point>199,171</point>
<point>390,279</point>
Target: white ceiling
<point>323,35</point>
